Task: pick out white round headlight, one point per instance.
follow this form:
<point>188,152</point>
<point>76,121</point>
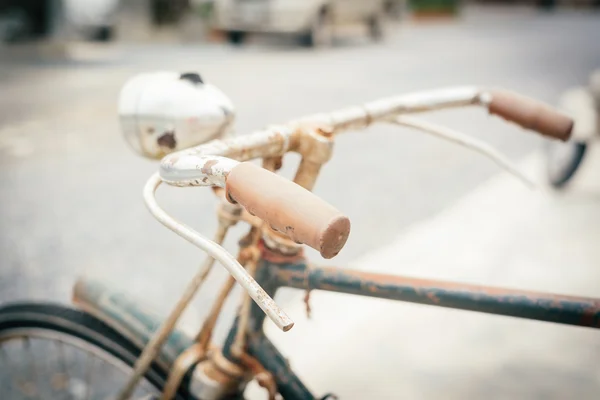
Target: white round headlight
<point>162,112</point>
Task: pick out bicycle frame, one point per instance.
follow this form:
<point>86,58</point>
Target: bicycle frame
<point>269,260</point>
<point>296,273</point>
<point>275,272</point>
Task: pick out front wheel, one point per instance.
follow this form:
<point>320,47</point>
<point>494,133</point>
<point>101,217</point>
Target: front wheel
<point>53,352</point>
<point>563,160</point>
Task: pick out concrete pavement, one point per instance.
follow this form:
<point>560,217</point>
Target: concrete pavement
<point>501,234</point>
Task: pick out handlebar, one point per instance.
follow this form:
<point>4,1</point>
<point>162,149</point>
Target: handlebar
<point>295,211</point>
<point>276,141</point>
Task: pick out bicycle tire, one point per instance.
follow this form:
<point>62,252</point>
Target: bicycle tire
<point>69,322</point>
<point>559,179</point>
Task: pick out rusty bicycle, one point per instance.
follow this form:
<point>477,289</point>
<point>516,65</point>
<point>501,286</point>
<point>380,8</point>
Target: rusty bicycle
<point>185,122</point>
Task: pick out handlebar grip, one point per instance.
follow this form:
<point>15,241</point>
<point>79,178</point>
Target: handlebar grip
<point>531,114</point>
<point>288,208</point>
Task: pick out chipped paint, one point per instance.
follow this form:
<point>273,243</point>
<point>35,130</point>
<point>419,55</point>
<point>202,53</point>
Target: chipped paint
<point>569,310</point>
<point>194,170</point>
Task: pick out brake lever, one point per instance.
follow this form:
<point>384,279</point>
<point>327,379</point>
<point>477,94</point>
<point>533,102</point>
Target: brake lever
<point>254,290</point>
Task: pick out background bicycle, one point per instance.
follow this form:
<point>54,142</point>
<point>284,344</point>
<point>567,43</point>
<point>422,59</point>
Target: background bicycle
<point>563,161</point>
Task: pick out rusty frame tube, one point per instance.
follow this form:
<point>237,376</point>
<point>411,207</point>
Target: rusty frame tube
<point>568,310</point>
<point>293,272</point>
<point>264,351</point>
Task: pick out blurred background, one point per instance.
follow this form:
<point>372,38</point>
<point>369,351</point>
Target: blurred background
<point>71,201</point>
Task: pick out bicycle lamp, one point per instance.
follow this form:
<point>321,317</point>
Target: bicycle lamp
<point>162,112</point>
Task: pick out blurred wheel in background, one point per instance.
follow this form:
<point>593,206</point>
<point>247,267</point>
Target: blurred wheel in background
<point>583,105</point>
<point>236,37</point>
<point>563,161</point>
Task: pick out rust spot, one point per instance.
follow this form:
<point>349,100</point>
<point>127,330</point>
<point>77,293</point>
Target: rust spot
<point>272,227</point>
<point>167,140</point>
<point>325,131</point>
<point>229,370</point>
<point>289,229</point>
<point>214,373</point>
<point>207,166</point>
<point>307,303</point>
<point>372,288</point>
<point>589,316</point>
<point>264,378</point>
<point>289,276</point>
<point>431,296</point>
<point>150,130</point>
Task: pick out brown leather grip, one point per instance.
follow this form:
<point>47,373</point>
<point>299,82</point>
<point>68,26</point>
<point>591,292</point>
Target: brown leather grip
<point>531,114</point>
<point>288,208</point>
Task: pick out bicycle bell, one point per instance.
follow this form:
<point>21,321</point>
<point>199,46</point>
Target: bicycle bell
<point>162,112</point>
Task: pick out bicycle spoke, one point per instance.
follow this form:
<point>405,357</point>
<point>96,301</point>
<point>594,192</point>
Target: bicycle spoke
<point>4,357</point>
<point>88,375</point>
<point>33,368</point>
<point>6,366</point>
<point>60,380</point>
<point>29,387</point>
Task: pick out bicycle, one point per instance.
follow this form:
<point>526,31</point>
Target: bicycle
<point>183,120</point>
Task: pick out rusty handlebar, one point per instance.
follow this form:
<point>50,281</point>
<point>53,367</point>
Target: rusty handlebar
<point>293,210</point>
<point>277,140</point>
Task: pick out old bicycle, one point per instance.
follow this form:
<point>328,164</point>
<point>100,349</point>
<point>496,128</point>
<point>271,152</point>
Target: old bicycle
<point>184,121</point>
